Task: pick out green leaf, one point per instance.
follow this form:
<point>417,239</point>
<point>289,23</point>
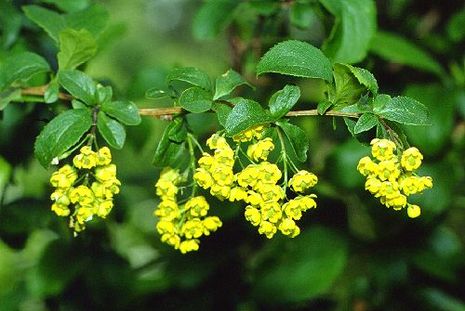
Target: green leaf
<point>10,23</point>
<point>111,130</point>
<point>21,66</point>
<point>168,152</point>
<point>323,106</point>
<point>228,82</point>
<point>348,89</point>
<point>301,268</point>
<point>50,21</point>
<point>8,95</point>
<point>366,122</point>
<point>212,18</point>
<point>69,6</point>
<point>302,15</point>
<point>60,134</point>
<point>156,93</point>
<point>398,50</point>
<point>282,101</point>
<point>354,27</point>
<point>104,94</point>
<point>440,102</point>
<point>79,85</point>
<point>5,174</point>
<point>222,112</point>
<point>297,138</point>
<point>245,114</point>
<point>51,93</point>
<point>296,58</point>
<point>404,110</point>
<point>123,110</point>
<point>93,19</point>
<point>178,131</point>
<point>76,47</point>
<point>190,75</point>
<point>364,77</point>
<point>456,25</point>
<point>196,100</point>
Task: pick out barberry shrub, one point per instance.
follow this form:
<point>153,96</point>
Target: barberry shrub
<point>283,160</point>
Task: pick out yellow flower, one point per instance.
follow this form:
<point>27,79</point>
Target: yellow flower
<point>84,214</point>
<point>367,167</point>
<point>254,198</point>
<point>192,228</point>
<point>217,142</point>
<point>302,180</point>
<point>206,161</point>
<point>288,227</point>
<point>247,135</point>
<point>106,174</point>
<point>237,194</point>
<point>411,159</point>
<point>270,192</point>
<point>189,246</point>
<point>388,170</point>
<point>269,173</point>
<point>168,210</point>
<point>261,149</point>
<point>221,192</point>
<point>60,197</point>
<point>103,208</point>
<point>222,175</point>
<point>166,226</point>
<point>211,224</point>
<point>252,215</point>
<point>103,156</point>
<point>166,188</point>
<point>197,206</point>
<point>203,178</point>
<point>82,195</point>
<point>413,211</point>
<point>382,149</point>
<point>86,159</point>
<point>60,209</point>
<point>373,185</point>
<point>271,211</point>
<point>267,228</point>
<point>171,239</point>
<point>64,177</point>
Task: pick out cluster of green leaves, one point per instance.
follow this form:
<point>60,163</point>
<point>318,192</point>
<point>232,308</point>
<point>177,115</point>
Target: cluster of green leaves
<point>76,35</point>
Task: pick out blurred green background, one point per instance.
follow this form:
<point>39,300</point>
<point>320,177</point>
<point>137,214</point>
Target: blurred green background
<point>353,254</point>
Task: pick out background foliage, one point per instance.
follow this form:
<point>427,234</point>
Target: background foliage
<point>353,253</point>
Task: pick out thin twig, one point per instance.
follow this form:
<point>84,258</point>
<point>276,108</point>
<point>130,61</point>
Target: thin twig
<point>40,91</point>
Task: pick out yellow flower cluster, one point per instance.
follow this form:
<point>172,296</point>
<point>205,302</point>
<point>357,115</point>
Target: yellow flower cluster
<point>249,134</point>
<point>391,177</point>
<point>181,226</point>
<point>256,185</point>
<point>94,196</point>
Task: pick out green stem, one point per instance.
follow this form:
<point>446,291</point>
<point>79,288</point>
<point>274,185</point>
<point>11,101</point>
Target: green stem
<point>283,155</point>
<point>190,144</point>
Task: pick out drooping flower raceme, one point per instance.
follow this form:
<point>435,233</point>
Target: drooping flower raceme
<point>86,188</point>
<point>181,225</point>
<point>391,177</point>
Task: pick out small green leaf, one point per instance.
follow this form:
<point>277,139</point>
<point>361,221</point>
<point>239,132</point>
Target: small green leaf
<point>94,19</point>
<point>364,77</point>
<point>111,130</point>
<point>124,111</point>
<point>456,25</point>
<point>296,58</point>
<point>227,82</point>
<point>245,114</point>
<point>297,138</point>
<point>222,112</point>
<point>212,18</point>
<point>195,100</point>
<point>104,94</point>
<point>323,106</point>
<point>60,134</point>
<point>282,101</point>
<point>398,50</point>
<point>177,131</point>
<point>8,95</point>
<point>404,110</point>
<point>307,268</point>
<point>69,6</point>
<point>50,21</point>
<point>79,85</point>
<point>51,93</point>
<point>348,89</point>
<point>168,152</point>
<point>21,66</point>
<point>156,93</point>
<point>76,47</point>
<point>354,27</point>
<point>366,122</point>
<point>190,75</point>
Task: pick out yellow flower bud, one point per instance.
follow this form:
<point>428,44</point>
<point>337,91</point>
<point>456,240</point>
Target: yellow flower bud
<point>413,211</point>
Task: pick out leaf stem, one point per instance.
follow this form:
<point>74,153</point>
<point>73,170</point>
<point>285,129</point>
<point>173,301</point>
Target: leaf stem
<point>283,155</point>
